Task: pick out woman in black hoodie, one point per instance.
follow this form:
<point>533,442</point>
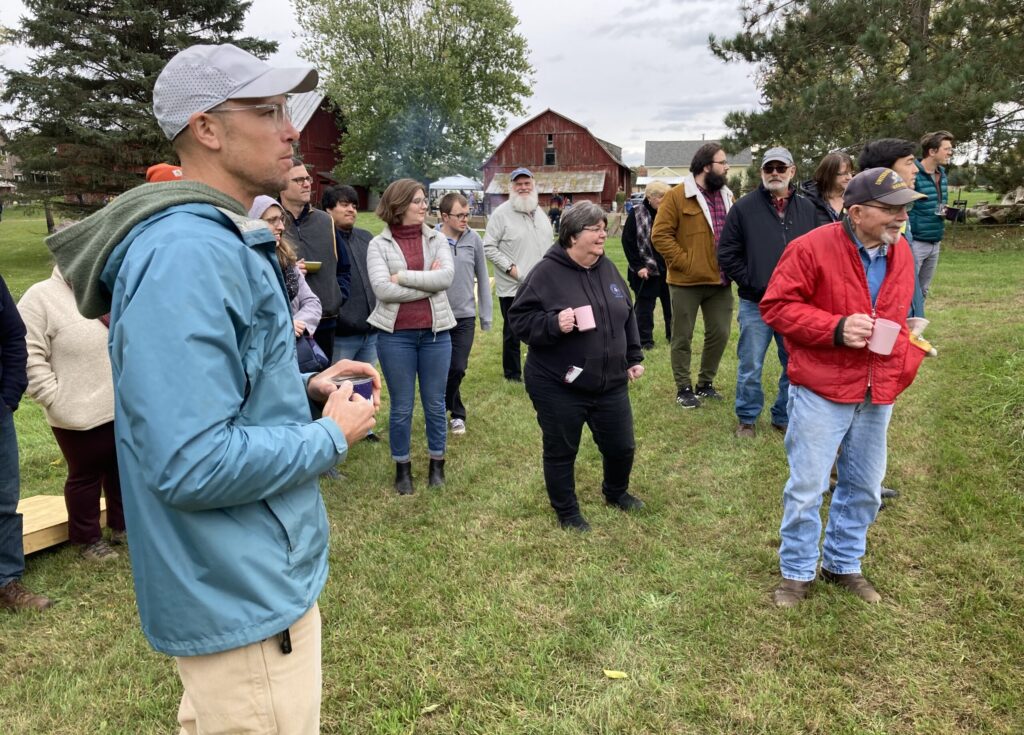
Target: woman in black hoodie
<point>574,312</point>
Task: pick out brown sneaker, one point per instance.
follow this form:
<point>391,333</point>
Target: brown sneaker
<point>99,551</point>
<point>790,593</point>
<point>746,431</point>
<point>14,596</point>
<point>118,538</point>
<point>856,583</point>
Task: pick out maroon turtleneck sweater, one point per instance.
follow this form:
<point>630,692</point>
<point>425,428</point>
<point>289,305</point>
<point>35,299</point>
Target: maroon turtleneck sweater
<point>412,314</point>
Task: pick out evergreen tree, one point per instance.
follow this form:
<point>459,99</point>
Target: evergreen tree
<point>422,84</point>
<point>82,120</point>
<point>837,73</point>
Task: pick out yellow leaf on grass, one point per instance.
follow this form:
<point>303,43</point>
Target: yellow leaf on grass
<point>616,674</point>
<point>429,708</point>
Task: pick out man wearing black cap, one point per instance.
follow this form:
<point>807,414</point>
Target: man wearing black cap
<point>830,292</point>
<point>218,453</point>
<point>517,236</point>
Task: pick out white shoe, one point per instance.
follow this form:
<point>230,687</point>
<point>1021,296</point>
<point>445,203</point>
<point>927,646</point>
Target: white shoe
<point>458,427</point>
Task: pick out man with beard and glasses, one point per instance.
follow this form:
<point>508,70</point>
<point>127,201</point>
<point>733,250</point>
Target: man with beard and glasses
<point>218,453</point>
<point>831,290</point>
<point>757,230</point>
<point>686,233</point>
<point>517,236</point>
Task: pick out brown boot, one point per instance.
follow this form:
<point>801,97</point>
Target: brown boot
<point>15,597</point>
<point>856,583</point>
<point>790,593</point>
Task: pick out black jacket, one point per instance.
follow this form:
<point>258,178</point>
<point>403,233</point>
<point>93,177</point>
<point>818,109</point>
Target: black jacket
<point>361,300</point>
<point>754,237</point>
<point>604,353</point>
<point>824,213</point>
<point>629,244</point>
<point>312,235</point>
<point>13,351</point>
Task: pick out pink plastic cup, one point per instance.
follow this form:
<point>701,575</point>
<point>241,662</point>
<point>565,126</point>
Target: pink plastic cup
<point>584,318</point>
<point>883,336</point>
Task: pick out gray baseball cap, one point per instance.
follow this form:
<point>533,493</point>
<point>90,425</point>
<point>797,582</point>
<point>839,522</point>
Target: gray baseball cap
<point>777,154</point>
<point>202,77</point>
<point>879,185</point>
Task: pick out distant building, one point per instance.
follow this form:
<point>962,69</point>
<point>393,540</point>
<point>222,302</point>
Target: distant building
<point>9,173</point>
<point>669,161</point>
<point>564,156</point>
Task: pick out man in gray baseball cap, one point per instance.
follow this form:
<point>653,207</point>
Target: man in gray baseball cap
<point>840,296</point>
<point>218,452</point>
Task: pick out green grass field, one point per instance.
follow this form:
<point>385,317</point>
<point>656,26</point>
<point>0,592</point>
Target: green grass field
<point>466,610</point>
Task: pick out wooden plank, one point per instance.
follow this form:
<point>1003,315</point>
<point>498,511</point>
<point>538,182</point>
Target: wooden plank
<point>45,521</point>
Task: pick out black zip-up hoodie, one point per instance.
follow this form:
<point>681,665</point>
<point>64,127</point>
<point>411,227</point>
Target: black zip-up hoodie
<point>604,353</point>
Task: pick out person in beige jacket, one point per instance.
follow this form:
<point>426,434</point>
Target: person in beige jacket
<point>69,375</point>
<point>685,232</point>
<point>410,266</point>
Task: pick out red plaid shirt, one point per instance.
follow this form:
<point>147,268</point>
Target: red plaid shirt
<point>716,206</point>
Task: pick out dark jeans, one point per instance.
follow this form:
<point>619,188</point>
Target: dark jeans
<point>12,553</point>
<point>462,343</point>
<point>324,337</point>
<point>92,465</point>
<point>561,413</point>
<point>647,292</point>
<point>510,363</point>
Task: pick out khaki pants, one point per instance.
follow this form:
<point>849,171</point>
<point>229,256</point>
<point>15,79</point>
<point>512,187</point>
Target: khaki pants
<point>256,689</point>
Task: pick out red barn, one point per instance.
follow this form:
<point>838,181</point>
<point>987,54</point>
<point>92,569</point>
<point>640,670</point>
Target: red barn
<point>314,117</point>
<point>564,157</point>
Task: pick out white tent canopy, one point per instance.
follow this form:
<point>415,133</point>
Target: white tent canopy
<point>456,183</point>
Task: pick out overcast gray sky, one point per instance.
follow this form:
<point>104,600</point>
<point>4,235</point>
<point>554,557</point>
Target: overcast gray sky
<point>631,70</point>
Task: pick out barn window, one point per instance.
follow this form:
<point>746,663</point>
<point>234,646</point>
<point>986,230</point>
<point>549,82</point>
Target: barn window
<point>549,157</point>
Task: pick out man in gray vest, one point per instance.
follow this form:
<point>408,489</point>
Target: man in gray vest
<point>517,236</point>
<point>311,233</point>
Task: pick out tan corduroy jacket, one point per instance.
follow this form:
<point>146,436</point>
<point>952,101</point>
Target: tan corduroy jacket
<point>683,234</point>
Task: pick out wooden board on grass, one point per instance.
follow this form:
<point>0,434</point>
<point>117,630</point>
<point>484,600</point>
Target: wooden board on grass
<point>45,521</point>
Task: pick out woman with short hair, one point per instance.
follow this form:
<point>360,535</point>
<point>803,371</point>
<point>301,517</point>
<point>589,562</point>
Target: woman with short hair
<point>410,266</point>
<point>574,311</point>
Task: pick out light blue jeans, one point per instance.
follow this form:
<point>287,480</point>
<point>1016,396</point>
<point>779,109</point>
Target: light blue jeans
<point>405,355</point>
<point>359,347</point>
<point>926,259</point>
<point>755,337</point>
<point>817,429</point>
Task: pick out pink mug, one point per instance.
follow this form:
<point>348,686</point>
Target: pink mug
<point>584,316</point>
<point>883,336</point>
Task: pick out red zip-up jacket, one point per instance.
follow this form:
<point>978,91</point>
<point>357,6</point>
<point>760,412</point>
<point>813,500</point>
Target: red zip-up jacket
<point>820,280</point>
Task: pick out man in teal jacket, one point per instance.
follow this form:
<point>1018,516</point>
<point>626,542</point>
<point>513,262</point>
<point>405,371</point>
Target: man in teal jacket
<point>928,217</point>
<point>218,453</point>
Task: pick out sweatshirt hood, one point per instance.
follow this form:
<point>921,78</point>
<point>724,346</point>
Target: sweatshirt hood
<point>81,251</point>
<point>557,253</point>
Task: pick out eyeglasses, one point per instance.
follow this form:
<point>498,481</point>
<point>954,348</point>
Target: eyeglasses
<point>775,168</point>
<point>596,228</point>
<point>419,200</point>
<point>463,216</point>
<point>276,110</point>
<point>723,162</point>
<point>302,180</point>
<point>272,221</point>
<point>891,209</point>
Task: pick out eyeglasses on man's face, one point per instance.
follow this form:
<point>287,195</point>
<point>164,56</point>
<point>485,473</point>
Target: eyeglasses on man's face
<point>722,162</point>
<point>302,180</point>
<point>893,210</point>
<point>274,111</point>
<point>461,217</point>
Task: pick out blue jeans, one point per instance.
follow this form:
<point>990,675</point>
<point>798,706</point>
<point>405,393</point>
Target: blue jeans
<point>404,355</point>
<point>755,337</point>
<point>359,347</point>
<point>817,429</point>
<point>12,553</point>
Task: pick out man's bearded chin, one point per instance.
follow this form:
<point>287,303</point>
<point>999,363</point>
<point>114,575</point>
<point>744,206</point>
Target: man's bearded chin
<point>525,203</point>
<point>714,182</point>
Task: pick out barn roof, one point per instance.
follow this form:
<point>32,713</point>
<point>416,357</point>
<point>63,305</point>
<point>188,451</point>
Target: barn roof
<point>302,106</point>
<point>614,151</point>
<point>545,182</point>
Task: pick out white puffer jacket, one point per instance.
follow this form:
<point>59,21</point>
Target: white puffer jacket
<point>384,258</point>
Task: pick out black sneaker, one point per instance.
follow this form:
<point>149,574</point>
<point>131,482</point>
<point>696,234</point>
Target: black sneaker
<point>626,502</point>
<point>708,391</point>
<point>575,523</point>
<point>686,398</point>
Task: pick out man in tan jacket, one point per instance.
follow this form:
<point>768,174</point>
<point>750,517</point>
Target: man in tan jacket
<point>685,232</point>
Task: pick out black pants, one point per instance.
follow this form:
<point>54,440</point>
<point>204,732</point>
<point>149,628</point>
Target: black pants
<point>647,292</point>
<point>324,336</point>
<point>510,363</point>
<point>561,413</point>
<point>462,343</point>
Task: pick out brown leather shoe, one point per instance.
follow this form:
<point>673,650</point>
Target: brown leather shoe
<point>790,593</point>
<point>746,431</point>
<point>15,597</point>
<point>856,583</point>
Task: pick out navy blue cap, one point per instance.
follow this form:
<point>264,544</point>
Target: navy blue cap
<point>521,171</point>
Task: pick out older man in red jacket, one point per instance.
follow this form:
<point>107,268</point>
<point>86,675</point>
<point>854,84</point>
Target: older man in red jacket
<point>830,291</point>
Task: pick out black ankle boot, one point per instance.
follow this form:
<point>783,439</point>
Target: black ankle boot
<point>403,478</point>
<point>435,475</point>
